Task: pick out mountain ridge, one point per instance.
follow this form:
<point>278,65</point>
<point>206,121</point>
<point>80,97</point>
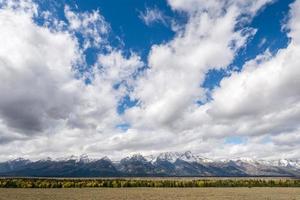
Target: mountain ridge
<point>164,164</point>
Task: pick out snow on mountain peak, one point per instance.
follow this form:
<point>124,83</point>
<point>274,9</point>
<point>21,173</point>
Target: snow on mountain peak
<point>106,158</point>
<point>172,157</point>
<point>135,157</point>
<point>84,158</point>
<point>187,156</point>
<point>244,159</point>
<point>288,163</point>
<point>168,156</point>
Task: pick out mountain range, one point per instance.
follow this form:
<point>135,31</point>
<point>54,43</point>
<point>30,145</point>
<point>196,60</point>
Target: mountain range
<point>169,164</point>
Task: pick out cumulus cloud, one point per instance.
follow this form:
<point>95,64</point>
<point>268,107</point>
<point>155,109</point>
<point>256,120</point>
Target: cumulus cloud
<point>272,82</point>
<point>261,101</point>
<point>35,67</point>
<point>42,101</point>
<point>116,68</point>
<point>50,111</point>
<point>92,26</point>
<point>177,69</point>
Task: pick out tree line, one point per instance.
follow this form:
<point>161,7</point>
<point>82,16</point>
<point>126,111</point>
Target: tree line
<point>119,183</point>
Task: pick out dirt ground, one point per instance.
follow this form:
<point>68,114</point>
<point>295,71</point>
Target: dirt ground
<point>152,194</point>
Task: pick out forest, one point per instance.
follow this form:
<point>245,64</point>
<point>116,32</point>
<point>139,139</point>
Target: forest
<point>156,183</point>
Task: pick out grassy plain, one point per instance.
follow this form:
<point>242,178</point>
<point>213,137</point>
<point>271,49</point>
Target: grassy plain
<point>151,194</point>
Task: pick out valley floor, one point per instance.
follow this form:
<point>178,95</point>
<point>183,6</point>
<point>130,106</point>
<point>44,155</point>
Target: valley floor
<point>152,194</point>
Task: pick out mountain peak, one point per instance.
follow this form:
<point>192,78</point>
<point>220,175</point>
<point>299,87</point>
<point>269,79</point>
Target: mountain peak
<point>84,158</point>
<point>135,157</point>
<point>187,156</point>
<point>19,160</point>
<point>168,156</point>
<point>106,158</point>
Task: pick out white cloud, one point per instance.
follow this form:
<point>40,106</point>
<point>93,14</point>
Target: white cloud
<point>116,68</point>
<point>92,26</point>
<point>215,7</point>
<point>260,101</point>
<point>177,69</point>
<point>24,6</point>
<point>43,107</point>
<point>294,24</point>
<point>35,67</point>
<point>151,16</point>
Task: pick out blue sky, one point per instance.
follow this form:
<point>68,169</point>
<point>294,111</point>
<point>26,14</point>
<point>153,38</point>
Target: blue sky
<point>147,76</point>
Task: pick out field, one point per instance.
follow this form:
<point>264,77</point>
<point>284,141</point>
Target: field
<point>151,194</point>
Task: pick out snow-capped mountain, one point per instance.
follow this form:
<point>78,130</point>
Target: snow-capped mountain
<point>185,156</point>
<point>168,156</point>
<point>162,164</point>
<point>81,158</point>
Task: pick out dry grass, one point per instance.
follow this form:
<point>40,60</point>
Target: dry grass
<point>152,194</point>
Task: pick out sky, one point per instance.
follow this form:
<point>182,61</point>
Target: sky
<point>220,78</point>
